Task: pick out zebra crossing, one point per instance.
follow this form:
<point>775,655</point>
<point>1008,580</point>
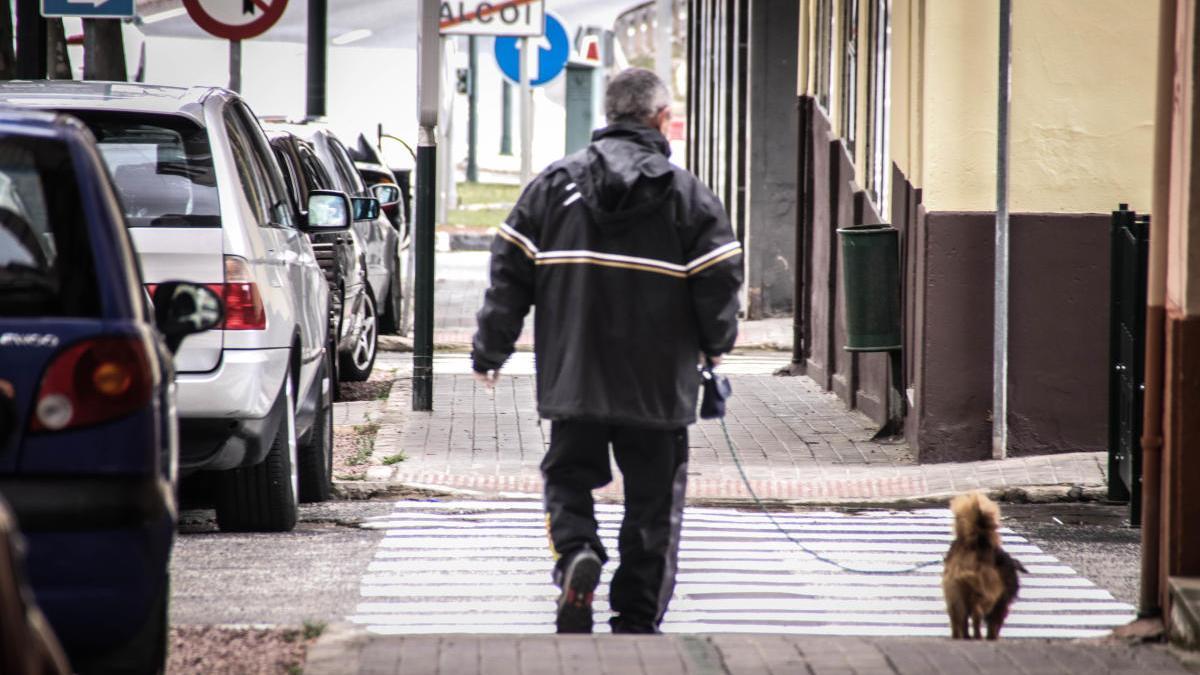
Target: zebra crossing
<point>484,567</point>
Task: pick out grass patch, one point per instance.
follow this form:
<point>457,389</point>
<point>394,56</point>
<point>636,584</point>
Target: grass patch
<point>313,629</point>
<point>475,220</point>
<point>488,193</point>
<point>364,436</point>
<point>395,459</point>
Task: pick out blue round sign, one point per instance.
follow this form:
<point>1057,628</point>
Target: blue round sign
<point>550,62</point>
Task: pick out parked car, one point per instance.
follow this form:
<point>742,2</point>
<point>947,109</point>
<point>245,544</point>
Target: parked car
<point>375,173</point>
<point>205,202</point>
<point>88,436</point>
<point>380,240</point>
<point>353,318</point>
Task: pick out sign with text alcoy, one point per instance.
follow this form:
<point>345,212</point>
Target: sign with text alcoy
<point>516,18</point>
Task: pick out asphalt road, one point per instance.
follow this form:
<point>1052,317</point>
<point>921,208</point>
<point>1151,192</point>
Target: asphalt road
<point>314,573</point>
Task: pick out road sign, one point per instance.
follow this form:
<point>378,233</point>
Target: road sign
<point>235,19</point>
<point>553,51</point>
<point>507,17</point>
<point>88,8</point>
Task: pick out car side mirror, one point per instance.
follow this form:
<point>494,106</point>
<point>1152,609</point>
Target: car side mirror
<point>365,208</point>
<point>387,194</point>
<point>182,308</point>
<point>328,211</point>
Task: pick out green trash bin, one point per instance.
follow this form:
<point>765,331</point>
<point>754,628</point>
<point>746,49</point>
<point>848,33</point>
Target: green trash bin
<point>871,272</point>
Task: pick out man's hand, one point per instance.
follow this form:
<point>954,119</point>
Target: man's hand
<point>487,379</point>
<point>705,359</point>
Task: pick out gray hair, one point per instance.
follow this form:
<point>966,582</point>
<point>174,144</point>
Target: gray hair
<point>635,96</point>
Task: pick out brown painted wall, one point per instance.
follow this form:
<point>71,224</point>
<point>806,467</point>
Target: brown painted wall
<point>1057,343</point>
<point>821,253</point>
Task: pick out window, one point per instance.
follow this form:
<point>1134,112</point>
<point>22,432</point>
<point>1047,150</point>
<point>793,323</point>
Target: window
<point>280,214</point>
<point>162,168</point>
<point>318,178</point>
<point>849,102</point>
<point>878,69</point>
<point>345,168</point>
<point>824,51</point>
<point>250,178</point>
<point>46,263</point>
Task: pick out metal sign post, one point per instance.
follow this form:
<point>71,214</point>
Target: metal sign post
<point>235,66</point>
<point>428,103</point>
<point>526,115</point>
<point>1000,318</point>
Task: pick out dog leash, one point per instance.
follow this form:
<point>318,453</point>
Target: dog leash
<point>816,556</point>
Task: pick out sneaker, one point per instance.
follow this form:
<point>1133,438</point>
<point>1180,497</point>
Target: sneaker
<point>579,583</point>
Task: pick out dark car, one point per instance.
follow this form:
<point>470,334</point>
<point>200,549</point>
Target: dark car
<point>375,172</point>
<point>379,239</point>
<point>88,434</point>
<point>342,256</point>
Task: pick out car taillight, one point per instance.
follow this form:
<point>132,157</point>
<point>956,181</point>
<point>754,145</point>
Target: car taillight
<point>243,305</point>
<point>93,381</point>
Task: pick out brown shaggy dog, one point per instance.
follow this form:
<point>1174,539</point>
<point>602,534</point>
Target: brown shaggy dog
<point>979,579</point>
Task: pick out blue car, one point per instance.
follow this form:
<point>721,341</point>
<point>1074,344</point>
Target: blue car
<point>88,436</point>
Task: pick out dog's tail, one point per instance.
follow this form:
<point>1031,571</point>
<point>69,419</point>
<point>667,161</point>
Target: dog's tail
<point>976,519</point>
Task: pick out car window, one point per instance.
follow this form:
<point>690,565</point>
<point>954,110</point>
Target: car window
<point>314,171</point>
<point>46,264</point>
<point>162,168</point>
<point>345,167</point>
<point>250,177</point>
<point>291,178</point>
<point>264,161</point>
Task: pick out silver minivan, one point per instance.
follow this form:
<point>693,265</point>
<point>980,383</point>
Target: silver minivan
<point>205,202</point>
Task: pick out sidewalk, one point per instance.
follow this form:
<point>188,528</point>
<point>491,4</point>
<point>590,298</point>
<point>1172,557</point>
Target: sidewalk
<point>796,443</point>
<point>343,651</point>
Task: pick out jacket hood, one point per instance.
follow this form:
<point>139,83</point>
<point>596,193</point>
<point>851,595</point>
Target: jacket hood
<point>624,174</point>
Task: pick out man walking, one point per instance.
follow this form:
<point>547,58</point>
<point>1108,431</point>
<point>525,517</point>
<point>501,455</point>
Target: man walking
<point>635,273</point>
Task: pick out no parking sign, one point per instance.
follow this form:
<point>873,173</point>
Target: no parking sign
<point>235,19</point>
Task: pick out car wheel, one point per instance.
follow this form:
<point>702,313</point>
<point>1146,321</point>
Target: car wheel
<point>316,456</point>
<point>146,652</point>
<point>262,498</point>
<point>389,320</point>
<point>357,363</point>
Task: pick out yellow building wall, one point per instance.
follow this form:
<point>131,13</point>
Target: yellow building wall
<point>1082,105</point>
<point>958,131</point>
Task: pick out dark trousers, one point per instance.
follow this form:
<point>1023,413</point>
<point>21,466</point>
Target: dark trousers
<point>653,464</point>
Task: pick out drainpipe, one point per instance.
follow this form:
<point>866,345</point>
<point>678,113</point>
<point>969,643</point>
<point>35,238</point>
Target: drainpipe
<point>1150,602</point>
<point>1000,316</point>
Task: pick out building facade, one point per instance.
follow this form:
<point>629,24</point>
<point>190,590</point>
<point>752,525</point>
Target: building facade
<point>811,115</point>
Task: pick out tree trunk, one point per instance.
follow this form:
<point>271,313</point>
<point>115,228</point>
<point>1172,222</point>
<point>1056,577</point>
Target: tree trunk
<point>103,50</point>
<point>56,55</point>
<point>8,56</point>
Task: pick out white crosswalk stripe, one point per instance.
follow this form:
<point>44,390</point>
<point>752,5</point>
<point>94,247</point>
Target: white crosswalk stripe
<point>484,567</point>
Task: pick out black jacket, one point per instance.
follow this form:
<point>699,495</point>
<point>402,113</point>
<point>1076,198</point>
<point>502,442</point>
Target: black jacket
<point>634,271</point>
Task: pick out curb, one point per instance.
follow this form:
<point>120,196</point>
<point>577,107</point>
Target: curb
<point>337,651</point>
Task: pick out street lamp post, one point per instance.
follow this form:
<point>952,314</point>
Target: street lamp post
<point>428,81</point>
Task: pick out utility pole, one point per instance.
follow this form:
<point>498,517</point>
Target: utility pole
<point>472,111</point>
<point>235,65</point>
<point>526,111</point>
<point>428,103</point>
<point>31,40</point>
<point>318,34</point>
<point>1000,316</point>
